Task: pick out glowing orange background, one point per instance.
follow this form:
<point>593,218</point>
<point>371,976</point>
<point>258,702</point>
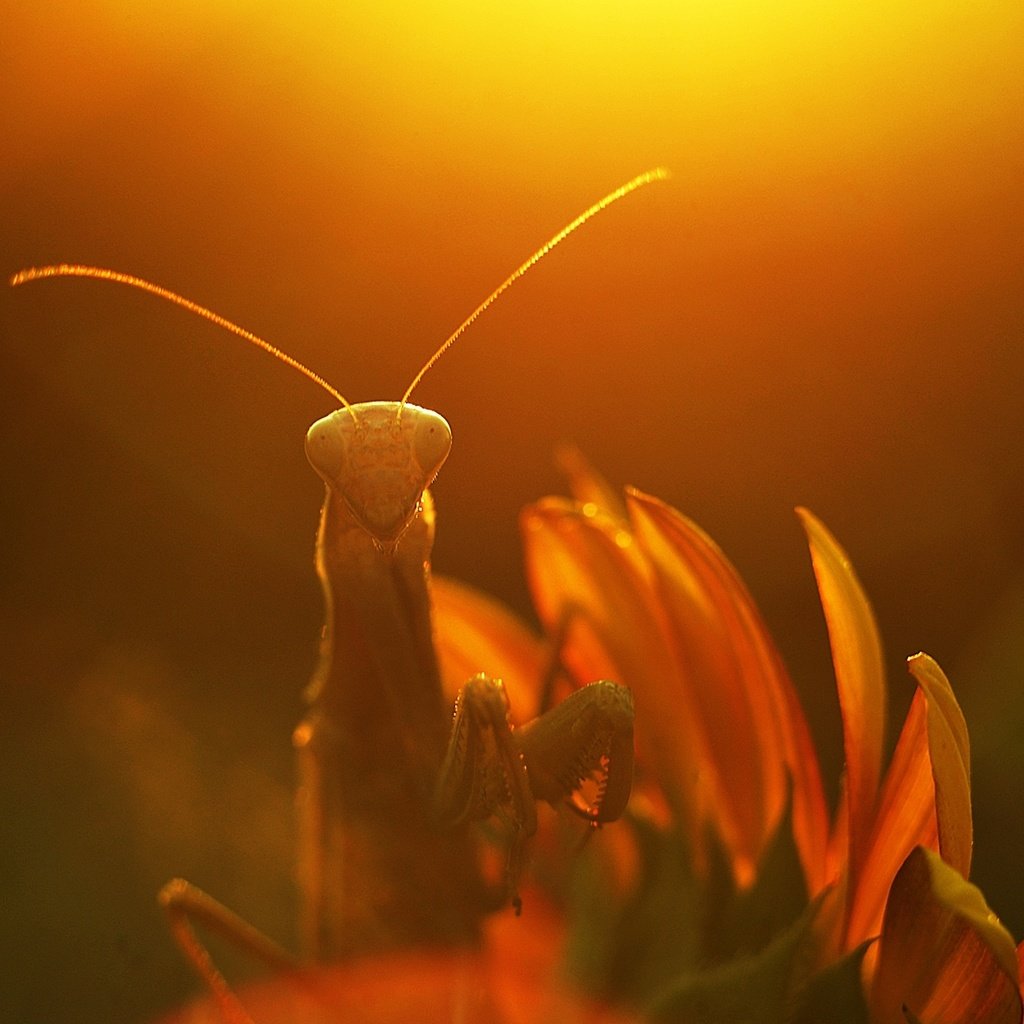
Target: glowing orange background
<point>824,306</point>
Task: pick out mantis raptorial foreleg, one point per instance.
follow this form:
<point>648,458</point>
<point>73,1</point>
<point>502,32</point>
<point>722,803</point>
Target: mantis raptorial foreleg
<point>387,792</point>
<point>484,774</point>
<point>491,768</point>
<point>588,735</point>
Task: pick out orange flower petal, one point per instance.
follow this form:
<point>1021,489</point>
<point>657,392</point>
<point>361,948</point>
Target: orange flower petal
<point>925,800</point>
<point>751,719</point>
<point>587,486</point>
<point>514,982</point>
<point>474,633</point>
<point>427,989</point>
<point>905,819</point>
<point>1020,965</point>
<point>943,954</point>
<point>586,573</point>
<point>949,749</point>
<point>860,678</point>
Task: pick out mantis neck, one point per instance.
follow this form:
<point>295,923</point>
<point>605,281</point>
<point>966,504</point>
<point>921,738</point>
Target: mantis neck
<point>378,678</point>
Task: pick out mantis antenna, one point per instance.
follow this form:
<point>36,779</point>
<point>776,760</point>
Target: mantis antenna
<point>657,174</point>
<point>101,274</point>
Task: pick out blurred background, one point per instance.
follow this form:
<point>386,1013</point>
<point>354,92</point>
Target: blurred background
<point>823,306</point>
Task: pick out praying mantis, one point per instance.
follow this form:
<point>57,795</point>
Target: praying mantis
<point>391,781</point>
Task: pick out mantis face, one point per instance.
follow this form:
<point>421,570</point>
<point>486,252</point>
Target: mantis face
<point>379,458</point>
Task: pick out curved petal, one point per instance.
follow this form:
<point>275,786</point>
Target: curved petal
<point>949,750</point>
<point>860,678</point>
<point>588,577</point>
<point>943,954</point>
<point>925,799</point>
<point>752,722</point>
<point>905,819</point>
<point>474,633</point>
<point>587,486</point>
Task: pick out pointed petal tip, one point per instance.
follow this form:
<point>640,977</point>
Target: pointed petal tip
<point>949,750</point>
<point>860,676</point>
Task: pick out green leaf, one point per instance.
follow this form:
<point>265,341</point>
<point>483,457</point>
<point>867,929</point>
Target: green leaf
<point>748,919</point>
<point>748,990</point>
<point>594,916</point>
<point>835,994</point>
<point>625,948</point>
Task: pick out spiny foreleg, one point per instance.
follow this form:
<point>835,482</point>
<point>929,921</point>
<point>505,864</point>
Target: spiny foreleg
<point>493,769</point>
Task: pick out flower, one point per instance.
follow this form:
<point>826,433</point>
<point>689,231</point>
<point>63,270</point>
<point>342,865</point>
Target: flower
<point>731,893</point>
<point>510,981</point>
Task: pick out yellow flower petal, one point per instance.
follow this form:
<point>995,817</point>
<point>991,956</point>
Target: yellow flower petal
<point>752,723</point>
<point>860,679</point>
<point>943,954</point>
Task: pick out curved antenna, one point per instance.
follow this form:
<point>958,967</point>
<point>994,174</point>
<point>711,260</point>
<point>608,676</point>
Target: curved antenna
<point>101,274</point>
<point>658,174</point>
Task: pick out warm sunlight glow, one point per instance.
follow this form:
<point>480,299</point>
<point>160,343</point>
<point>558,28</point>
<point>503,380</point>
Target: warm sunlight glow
<point>822,308</point>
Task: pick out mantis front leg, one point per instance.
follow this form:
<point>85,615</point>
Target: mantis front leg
<point>493,769</point>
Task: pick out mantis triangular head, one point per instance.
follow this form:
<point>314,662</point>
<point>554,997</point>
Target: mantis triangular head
<point>380,457</point>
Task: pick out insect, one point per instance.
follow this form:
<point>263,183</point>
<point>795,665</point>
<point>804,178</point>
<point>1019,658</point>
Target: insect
<point>390,779</point>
